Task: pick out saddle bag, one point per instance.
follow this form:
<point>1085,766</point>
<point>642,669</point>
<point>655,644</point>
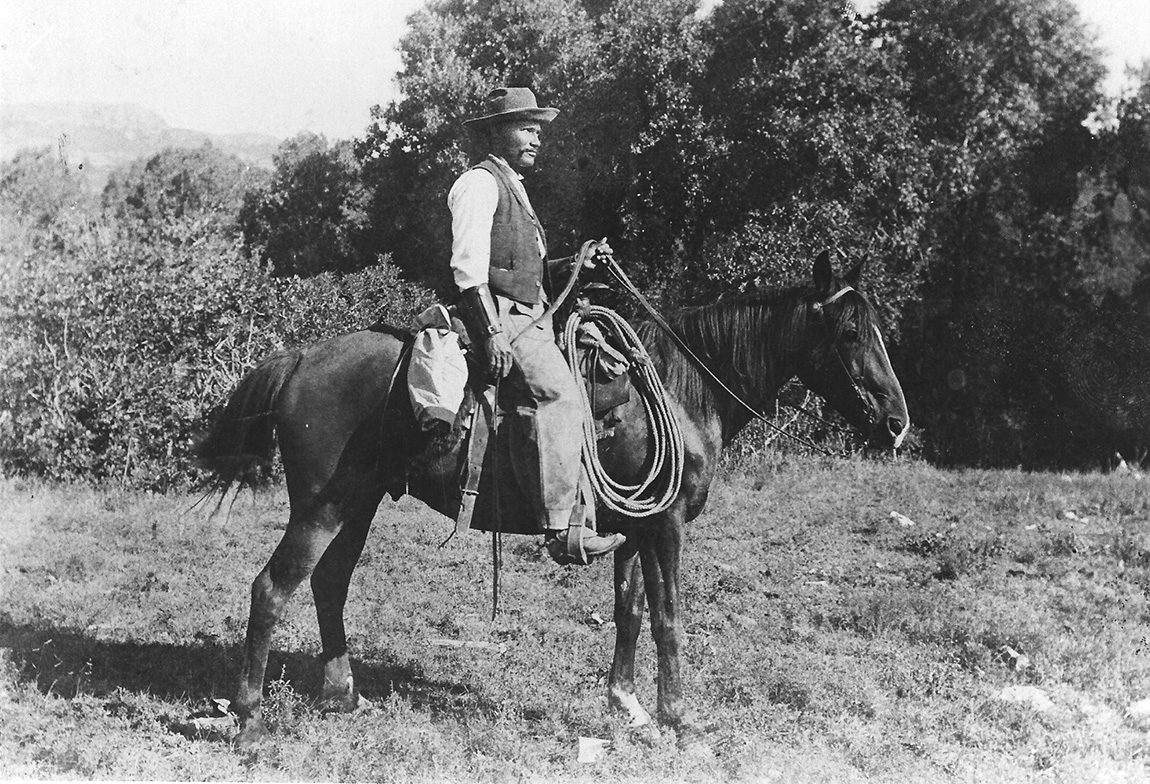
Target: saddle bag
<point>604,370</point>
<point>438,372</point>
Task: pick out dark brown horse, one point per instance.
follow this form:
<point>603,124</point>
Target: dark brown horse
<point>345,445</point>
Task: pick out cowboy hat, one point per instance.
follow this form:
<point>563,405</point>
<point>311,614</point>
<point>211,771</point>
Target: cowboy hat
<point>511,103</point>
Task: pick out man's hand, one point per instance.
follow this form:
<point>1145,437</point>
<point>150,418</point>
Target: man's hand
<point>602,256</point>
<point>498,350</point>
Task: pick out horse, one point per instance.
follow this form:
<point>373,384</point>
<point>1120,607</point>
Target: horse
<point>346,439</point>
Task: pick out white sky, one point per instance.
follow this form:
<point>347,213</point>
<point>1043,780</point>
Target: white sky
<point>275,66</point>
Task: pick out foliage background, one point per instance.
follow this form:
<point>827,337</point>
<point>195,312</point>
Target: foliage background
<point>125,328</point>
<point>963,147</point>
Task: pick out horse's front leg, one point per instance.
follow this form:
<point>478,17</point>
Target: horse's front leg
<point>660,543</point>
<point>628,623</point>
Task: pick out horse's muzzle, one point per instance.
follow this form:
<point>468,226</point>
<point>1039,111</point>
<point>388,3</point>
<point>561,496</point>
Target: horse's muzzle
<point>896,429</point>
<point>890,421</point>
<point>889,431</point>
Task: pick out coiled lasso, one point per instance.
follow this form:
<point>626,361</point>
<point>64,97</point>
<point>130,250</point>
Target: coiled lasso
<point>658,490</point>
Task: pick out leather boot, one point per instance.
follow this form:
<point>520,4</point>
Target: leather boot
<point>579,545</point>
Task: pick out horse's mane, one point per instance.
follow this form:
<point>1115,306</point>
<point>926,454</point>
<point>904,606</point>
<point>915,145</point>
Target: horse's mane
<point>747,341</point>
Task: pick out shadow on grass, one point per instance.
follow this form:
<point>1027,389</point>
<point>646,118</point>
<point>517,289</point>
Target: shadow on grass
<point>68,662</point>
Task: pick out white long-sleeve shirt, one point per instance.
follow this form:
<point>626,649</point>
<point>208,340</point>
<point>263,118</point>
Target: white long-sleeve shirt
<point>472,201</point>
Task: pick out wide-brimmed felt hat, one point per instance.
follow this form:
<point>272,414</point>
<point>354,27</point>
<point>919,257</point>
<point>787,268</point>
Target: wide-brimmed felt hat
<point>511,103</point>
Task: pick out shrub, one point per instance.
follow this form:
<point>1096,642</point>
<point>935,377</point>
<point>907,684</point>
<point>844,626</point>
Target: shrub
<point>116,349</point>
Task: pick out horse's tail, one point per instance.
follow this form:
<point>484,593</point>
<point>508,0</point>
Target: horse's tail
<point>241,443</point>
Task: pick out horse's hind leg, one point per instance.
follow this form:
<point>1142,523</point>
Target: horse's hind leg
<point>329,584</point>
<point>294,558</point>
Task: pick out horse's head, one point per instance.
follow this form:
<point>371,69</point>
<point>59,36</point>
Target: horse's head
<point>845,360</point>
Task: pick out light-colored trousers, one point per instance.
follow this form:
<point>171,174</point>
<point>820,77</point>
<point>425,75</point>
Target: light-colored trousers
<point>545,409</point>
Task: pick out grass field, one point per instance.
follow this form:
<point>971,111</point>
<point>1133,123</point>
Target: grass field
<point>827,640</point>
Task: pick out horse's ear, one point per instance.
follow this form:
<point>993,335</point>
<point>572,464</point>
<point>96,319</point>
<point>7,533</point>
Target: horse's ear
<point>823,274</point>
<point>852,277</point>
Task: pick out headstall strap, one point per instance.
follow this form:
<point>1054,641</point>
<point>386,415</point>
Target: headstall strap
<point>836,295</point>
<point>818,307</point>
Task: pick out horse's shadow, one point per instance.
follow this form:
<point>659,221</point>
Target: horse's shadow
<point>68,662</point>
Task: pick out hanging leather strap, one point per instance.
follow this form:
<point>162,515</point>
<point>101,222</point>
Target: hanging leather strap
<point>482,422</point>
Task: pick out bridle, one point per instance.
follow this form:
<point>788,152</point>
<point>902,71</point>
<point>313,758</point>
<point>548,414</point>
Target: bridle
<point>818,307</point>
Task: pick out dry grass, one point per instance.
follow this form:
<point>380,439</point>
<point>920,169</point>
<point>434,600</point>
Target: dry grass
<point>827,641</point>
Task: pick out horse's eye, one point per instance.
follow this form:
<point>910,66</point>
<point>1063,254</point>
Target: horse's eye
<point>850,335</point>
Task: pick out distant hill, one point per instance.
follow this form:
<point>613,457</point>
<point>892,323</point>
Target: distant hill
<point>99,138</point>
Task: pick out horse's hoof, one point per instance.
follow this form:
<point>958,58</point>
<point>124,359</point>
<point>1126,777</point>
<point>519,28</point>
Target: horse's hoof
<point>627,702</point>
<point>253,734</point>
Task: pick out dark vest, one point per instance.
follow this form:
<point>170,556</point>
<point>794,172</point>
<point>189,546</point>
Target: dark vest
<point>517,268</point>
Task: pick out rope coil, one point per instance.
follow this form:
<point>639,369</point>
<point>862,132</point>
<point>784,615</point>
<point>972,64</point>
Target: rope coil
<point>657,491</point>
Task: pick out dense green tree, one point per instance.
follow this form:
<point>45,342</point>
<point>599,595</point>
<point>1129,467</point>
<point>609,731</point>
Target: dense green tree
<point>1128,148</point>
<point>43,202</point>
<point>181,194</point>
<point>1000,90</point>
<point>1105,347</point>
<point>1112,216</point>
<point>807,105</point>
<point>312,215</point>
<point>635,139</point>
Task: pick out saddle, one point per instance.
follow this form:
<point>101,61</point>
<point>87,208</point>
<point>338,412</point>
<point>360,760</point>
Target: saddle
<point>468,473</point>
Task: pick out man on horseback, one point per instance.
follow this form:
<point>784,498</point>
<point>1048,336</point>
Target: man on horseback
<point>499,263</point>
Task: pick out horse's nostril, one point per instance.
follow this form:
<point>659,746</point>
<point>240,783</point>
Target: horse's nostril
<point>894,426</point>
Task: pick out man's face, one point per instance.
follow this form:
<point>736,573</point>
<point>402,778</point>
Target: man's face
<point>517,143</point>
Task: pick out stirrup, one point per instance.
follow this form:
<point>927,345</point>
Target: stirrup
<point>575,550</point>
<point>571,550</point>
<point>567,548</point>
